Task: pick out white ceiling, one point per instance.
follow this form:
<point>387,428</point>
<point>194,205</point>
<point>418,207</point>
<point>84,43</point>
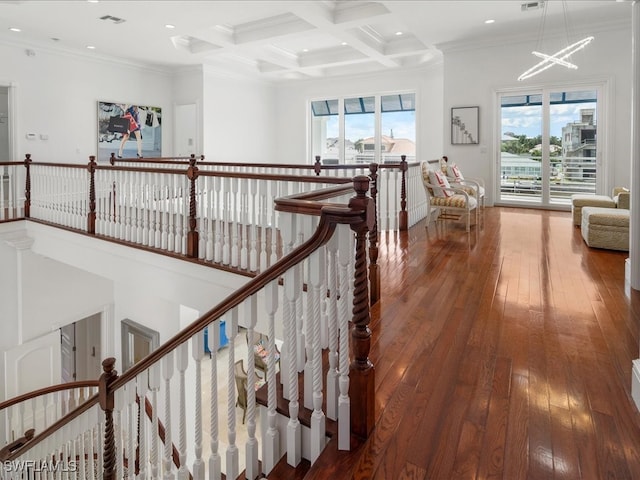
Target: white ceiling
<point>279,40</point>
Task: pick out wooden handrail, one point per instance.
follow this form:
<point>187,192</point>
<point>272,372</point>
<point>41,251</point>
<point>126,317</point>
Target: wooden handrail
<point>47,390</point>
<point>8,449</point>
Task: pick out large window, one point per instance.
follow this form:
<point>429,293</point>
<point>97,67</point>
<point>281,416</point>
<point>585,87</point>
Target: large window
<point>548,145</point>
<point>374,128</point>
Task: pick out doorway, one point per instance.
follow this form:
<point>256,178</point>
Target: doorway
<point>549,145</point>
<point>80,350</point>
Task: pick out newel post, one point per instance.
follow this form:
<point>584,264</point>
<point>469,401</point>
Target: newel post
<point>374,274</point>
<point>403,216</point>
<point>106,398</point>
<point>91,216</point>
<point>192,235</point>
<point>112,159</point>
<point>361,370</point>
<point>27,187</point>
<point>317,167</point>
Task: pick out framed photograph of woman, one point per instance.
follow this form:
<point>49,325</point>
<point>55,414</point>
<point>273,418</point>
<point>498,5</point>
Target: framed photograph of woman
<point>129,131</point>
<point>464,125</point>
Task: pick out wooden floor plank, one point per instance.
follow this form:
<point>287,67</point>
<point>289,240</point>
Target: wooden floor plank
<point>501,353</point>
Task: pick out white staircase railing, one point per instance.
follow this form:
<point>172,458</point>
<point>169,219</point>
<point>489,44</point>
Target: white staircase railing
<point>307,295</point>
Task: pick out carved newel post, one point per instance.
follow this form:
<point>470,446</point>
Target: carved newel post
<point>107,403</point>
<point>403,216</point>
<point>27,187</point>
<point>192,235</point>
<point>361,371</point>
<point>91,216</point>
<point>317,167</point>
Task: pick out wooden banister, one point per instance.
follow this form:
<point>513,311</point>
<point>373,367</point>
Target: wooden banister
<point>374,274</point>
<point>8,449</point>
<point>47,390</point>
<point>403,215</point>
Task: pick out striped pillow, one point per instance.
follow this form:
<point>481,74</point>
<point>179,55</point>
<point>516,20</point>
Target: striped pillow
<point>454,172</point>
<point>438,179</point>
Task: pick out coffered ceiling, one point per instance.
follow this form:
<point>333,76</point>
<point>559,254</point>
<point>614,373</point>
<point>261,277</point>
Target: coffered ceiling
<point>279,40</point>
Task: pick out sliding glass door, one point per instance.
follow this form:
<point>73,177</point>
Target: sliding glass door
<point>548,145</point>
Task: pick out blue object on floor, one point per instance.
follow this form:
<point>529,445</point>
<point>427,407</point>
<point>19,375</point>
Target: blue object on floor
<point>224,341</point>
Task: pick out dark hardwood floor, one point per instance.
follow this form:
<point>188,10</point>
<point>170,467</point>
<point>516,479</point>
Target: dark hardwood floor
<point>504,353</point>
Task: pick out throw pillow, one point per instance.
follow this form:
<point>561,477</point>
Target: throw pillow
<point>454,172</point>
<point>439,180</point>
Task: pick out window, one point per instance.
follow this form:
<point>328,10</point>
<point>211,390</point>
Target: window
<point>375,128</point>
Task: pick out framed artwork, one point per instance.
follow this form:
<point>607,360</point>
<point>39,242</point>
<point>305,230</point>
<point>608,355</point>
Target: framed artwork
<point>464,125</point>
<point>129,131</point>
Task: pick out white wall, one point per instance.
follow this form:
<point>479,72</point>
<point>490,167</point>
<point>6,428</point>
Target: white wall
<point>57,95</point>
<point>56,294</point>
<point>293,99</point>
<point>239,119</point>
<point>473,76</point>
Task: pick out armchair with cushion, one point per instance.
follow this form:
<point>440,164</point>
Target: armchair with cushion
<point>442,196</point>
<point>472,185</point>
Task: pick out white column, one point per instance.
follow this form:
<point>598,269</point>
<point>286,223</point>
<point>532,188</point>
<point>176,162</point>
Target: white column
<point>634,231</point>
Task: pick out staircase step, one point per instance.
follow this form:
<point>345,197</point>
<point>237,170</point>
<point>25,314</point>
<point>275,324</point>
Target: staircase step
<point>284,471</point>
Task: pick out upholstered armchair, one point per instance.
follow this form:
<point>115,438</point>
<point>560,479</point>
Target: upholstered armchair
<point>472,185</point>
<point>441,196</point>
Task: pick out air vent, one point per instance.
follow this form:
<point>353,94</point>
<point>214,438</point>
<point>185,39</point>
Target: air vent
<point>531,6</point>
<point>113,19</point>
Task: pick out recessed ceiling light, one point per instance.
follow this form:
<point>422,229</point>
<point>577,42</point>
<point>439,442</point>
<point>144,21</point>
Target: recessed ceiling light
<point>91,47</point>
<point>305,49</point>
<point>344,43</point>
<point>168,25</point>
<point>15,29</point>
<point>489,21</point>
<point>398,33</point>
<point>92,1</point>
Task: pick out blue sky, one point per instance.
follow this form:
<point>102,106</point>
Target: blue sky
<point>528,120</point>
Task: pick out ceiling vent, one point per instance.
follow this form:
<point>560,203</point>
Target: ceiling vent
<point>525,7</point>
<point>113,19</point>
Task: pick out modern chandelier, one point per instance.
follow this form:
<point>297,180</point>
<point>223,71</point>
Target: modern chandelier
<point>561,56</point>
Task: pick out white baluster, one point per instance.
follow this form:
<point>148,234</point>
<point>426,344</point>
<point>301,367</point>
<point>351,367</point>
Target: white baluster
<point>244,223</point>
<point>292,279</point>
<point>236,221</point>
<point>182,353</point>
<point>251,448</point>
<point>142,384</point>
<point>197,351</point>
<point>167,373</point>
<point>271,438</point>
<point>171,198</point>
<point>218,216</point>
<point>332,317</point>
<point>119,400</point>
<point>130,394</point>
<point>345,241</point>
<point>226,247</point>
<point>263,223</point>
<point>317,265</point>
<point>232,449</point>
<point>213,339</point>
<point>253,253</point>
<point>154,386</point>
